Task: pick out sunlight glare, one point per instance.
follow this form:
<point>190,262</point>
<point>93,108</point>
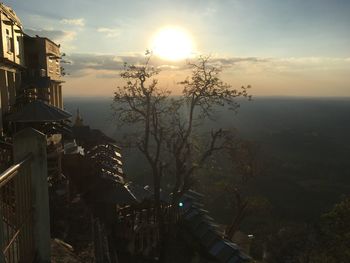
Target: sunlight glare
<point>172,43</point>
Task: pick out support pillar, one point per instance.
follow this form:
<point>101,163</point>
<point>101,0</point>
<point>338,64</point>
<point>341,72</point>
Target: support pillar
<point>4,91</point>
<point>52,94</point>
<point>32,141</point>
<point>11,88</point>
<point>18,81</point>
<point>56,96</point>
<point>60,97</point>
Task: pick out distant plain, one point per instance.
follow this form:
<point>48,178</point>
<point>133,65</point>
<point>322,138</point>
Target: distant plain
<point>307,142</point>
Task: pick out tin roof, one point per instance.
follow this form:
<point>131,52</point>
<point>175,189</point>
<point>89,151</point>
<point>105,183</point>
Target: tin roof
<point>204,229</point>
<point>38,111</point>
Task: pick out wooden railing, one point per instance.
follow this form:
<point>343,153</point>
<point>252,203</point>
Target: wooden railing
<point>17,213</point>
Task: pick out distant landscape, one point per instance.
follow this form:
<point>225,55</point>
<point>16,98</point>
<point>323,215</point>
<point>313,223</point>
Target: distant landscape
<point>175,131</point>
<point>306,142</point>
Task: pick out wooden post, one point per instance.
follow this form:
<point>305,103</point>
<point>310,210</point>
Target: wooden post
<point>32,141</point>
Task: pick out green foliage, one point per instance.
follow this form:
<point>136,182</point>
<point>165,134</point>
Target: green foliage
<point>335,233</point>
<point>329,242</point>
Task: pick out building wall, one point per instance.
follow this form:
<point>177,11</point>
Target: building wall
<point>53,68</point>
<point>53,60</point>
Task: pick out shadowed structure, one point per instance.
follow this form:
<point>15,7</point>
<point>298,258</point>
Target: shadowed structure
<point>39,111</point>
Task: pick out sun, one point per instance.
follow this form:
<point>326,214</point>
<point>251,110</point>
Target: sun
<point>172,43</point>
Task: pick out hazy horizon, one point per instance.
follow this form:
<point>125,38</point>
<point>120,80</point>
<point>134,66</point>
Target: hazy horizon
<point>310,135</point>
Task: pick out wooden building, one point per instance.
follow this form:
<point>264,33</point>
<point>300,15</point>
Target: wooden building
<point>42,78</point>
<point>11,60</point>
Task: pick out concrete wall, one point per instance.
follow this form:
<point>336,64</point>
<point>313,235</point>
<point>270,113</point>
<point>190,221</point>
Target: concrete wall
<point>32,141</point>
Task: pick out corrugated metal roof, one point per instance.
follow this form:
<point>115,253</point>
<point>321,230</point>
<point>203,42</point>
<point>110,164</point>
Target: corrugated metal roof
<point>210,238</point>
<point>39,111</point>
<point>234,259</point>
<point>203,227</point>
<point>217,247</point>
<point>227,252</point>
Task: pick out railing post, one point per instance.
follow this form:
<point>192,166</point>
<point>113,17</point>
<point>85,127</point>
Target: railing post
<point>32,141</point>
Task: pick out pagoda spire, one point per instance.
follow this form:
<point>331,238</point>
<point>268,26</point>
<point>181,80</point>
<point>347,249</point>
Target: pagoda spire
<point>78,120</point>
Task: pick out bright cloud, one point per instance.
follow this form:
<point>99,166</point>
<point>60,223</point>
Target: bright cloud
<point>110,32</point>
<point>246,65</point>
<point>62,37</point>
<point>73,22</point>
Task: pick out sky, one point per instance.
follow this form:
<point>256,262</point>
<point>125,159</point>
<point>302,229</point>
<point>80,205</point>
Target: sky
<point>280,48</point>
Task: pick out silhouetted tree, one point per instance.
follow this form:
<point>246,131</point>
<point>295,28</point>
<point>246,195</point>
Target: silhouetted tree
<point>165,128</point>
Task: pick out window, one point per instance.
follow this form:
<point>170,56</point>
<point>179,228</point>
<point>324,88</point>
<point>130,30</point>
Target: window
<point>9,42</point>
<point>58,67</point>
<point>50,66</point>
<point>17,47</point>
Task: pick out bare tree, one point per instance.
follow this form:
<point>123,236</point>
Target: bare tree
<point>203,92</point>
<point>166,127</point>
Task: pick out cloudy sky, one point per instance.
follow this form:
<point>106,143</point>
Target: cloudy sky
<point>289,47</point>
